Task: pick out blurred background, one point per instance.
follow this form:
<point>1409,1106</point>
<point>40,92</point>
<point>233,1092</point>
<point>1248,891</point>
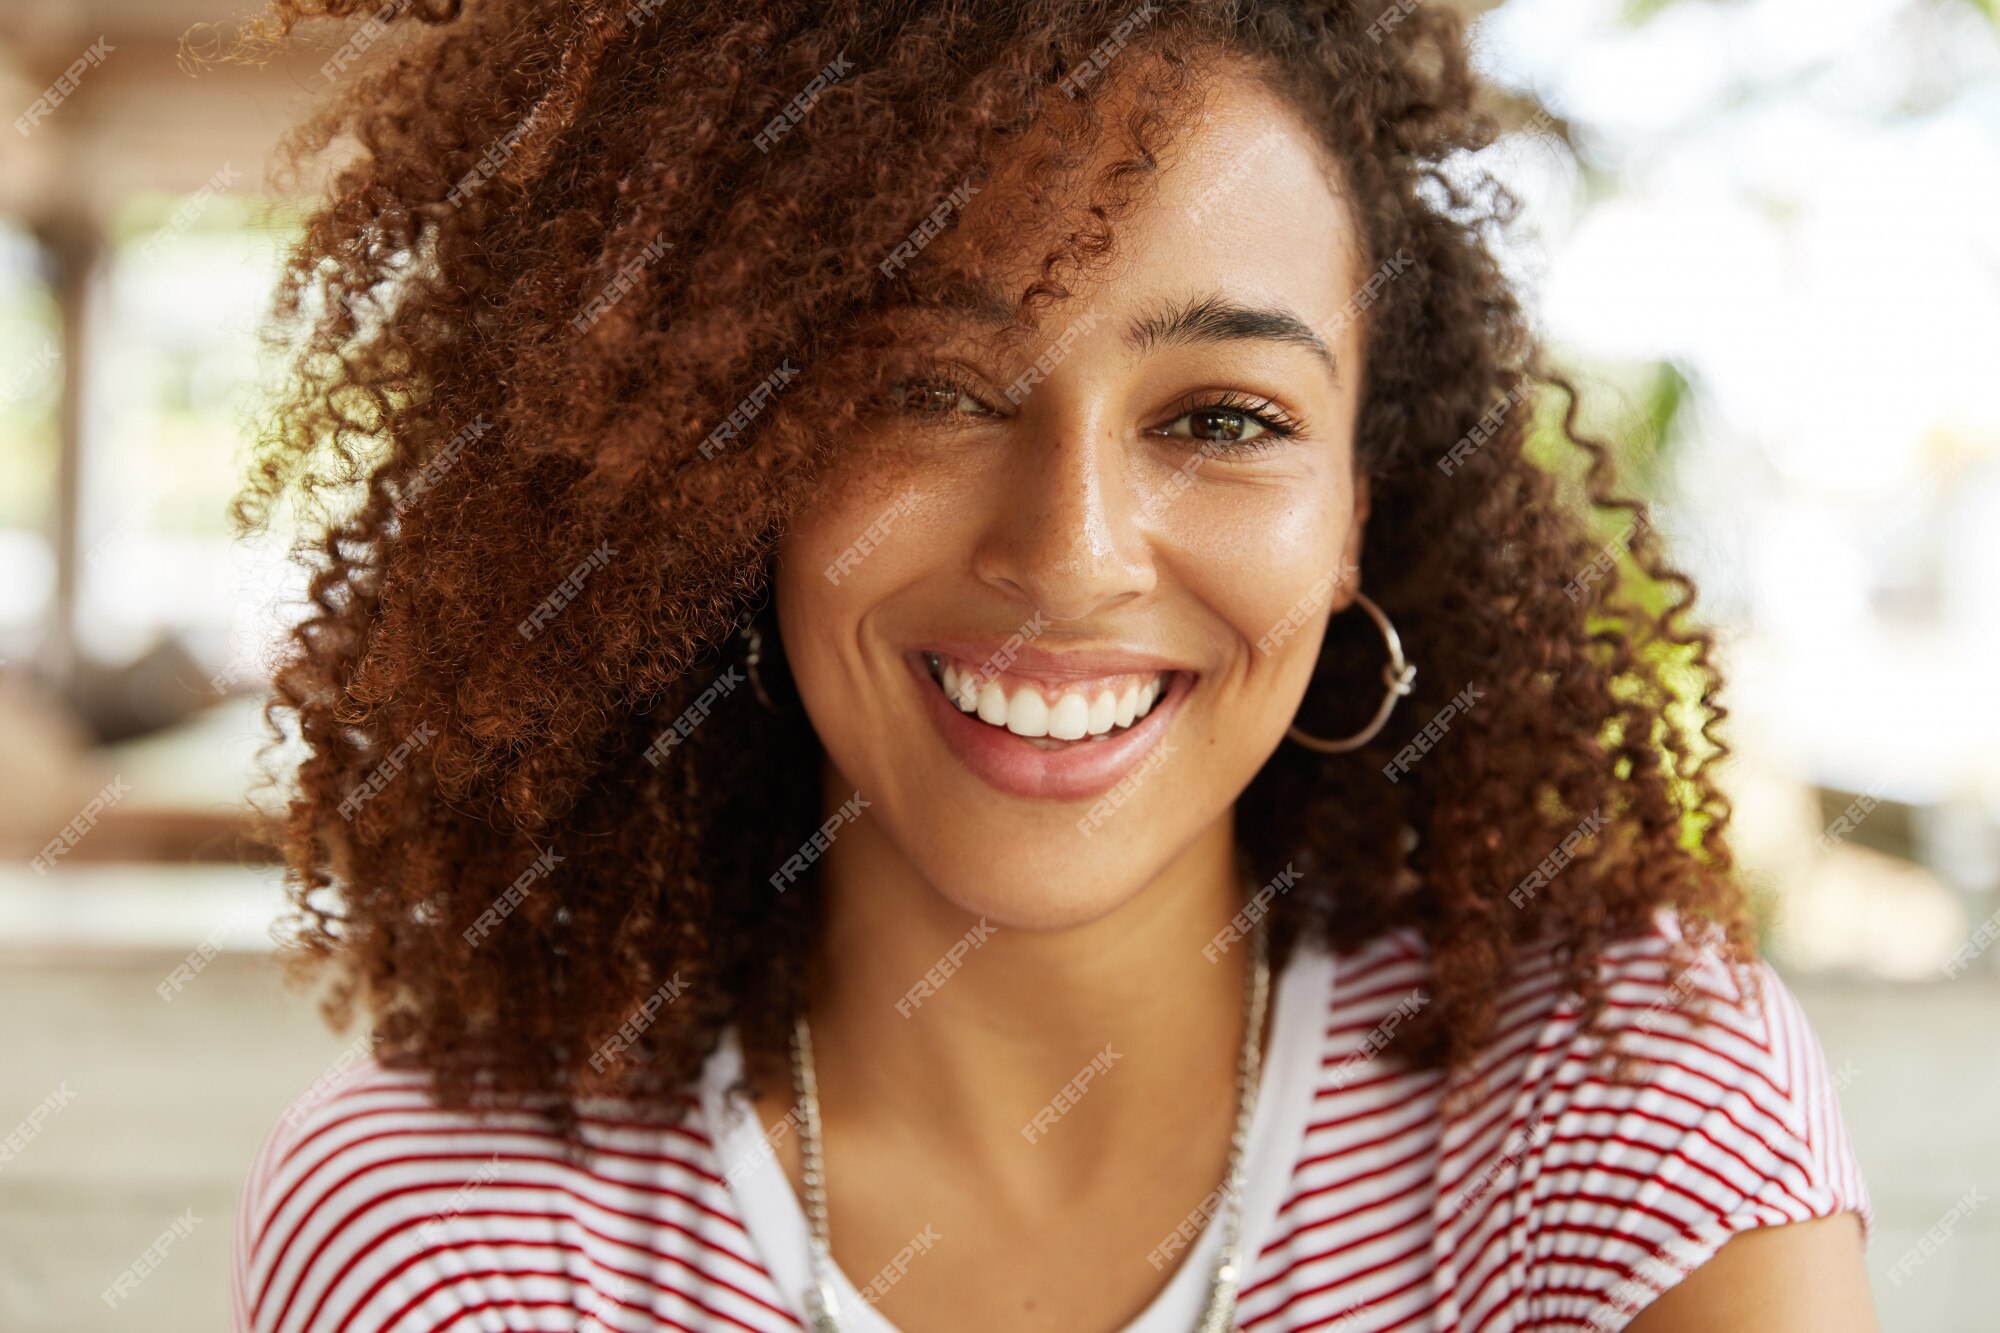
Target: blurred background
<point>1765,235</point>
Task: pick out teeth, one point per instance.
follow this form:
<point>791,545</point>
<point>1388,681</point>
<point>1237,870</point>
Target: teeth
<point>961,689</point>
<point>1027,714</point>
<point>1074,715</point>
<point>1103,713</point>
<point>1068,720</point>
<point>993,705</point>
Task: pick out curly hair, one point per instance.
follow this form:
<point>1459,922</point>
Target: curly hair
<point>569,243</point>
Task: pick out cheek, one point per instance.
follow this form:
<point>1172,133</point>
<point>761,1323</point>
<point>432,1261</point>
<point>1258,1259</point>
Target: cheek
<point>871,530</point>
<point>1265,560</point>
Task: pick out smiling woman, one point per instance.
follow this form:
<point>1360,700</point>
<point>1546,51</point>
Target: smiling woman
<point>1098,914</point>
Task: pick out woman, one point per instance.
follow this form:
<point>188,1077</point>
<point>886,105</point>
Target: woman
<point>847,757</point>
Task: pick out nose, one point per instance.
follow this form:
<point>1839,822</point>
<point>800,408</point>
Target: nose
<point>1068,539</point>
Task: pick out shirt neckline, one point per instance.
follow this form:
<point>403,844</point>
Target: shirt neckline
<point>774,1219</point>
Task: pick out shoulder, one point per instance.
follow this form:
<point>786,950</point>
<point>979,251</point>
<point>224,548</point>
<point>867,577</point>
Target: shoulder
<point>1566,1190</point>
<point>1619,1180</point>
<point>369,1207</point>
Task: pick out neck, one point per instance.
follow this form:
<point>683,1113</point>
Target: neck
<point>935,1026</point>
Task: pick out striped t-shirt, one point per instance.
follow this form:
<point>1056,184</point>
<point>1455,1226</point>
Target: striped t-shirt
<point>1557,1198</point>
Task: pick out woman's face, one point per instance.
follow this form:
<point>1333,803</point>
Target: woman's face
<point>1147,499</point>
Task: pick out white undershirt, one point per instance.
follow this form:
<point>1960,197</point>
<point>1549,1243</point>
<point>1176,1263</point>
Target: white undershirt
<point>776,1222</point>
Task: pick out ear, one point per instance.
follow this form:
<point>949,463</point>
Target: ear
<point>1350,555</point>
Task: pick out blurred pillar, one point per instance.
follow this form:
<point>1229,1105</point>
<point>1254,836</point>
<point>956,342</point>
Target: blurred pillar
<point>75,245</point>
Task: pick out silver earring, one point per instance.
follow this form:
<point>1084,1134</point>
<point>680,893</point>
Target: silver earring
<point>754,654</point>
<point>1397,674</point>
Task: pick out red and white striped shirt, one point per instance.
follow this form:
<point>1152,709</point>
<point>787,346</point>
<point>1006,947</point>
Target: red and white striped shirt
<point>1555,1199</point>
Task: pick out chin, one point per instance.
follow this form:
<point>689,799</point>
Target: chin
<point>1039,874</point>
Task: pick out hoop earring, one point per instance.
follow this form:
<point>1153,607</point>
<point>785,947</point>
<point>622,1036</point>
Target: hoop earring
<point>754,638</point>
<point>1397,674</point>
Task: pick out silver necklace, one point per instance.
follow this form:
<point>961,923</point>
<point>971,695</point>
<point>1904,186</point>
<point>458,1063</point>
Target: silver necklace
<point>1218,1313</point>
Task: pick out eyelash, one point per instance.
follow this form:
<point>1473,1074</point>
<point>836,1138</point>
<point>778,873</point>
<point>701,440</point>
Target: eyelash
<point>1278,424</point>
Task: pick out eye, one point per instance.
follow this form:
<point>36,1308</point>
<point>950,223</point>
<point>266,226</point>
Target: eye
<point>937,396</point>
<point>1232,421</point>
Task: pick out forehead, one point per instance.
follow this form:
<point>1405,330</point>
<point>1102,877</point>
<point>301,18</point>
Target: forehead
<point>1244,201</point>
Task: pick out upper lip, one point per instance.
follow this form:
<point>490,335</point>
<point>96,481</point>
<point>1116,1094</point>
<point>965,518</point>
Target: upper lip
<point>1054,664</point>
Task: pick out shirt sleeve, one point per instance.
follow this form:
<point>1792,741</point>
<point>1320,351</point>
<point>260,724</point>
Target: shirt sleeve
<point>1732,1122</point>
<point>372,1209</point>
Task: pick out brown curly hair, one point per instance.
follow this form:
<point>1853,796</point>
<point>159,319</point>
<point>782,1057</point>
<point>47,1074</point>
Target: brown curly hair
<point>466,419</point>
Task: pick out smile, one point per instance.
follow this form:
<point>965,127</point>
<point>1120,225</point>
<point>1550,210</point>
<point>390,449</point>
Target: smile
<point>1059,711</point>
<point>1069,731</point>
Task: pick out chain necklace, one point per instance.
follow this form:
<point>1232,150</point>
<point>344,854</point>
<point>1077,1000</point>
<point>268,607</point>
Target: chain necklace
<point>1219,1311</point>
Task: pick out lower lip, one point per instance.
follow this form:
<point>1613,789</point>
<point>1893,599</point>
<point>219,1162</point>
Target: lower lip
<point>1077,771</point>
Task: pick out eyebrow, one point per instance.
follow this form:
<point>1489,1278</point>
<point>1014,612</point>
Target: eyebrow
<point>1215,318</point>
<point>1209,317</point>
